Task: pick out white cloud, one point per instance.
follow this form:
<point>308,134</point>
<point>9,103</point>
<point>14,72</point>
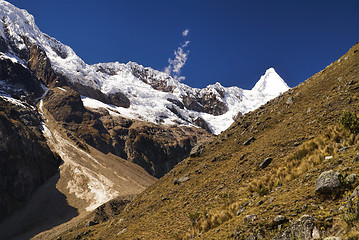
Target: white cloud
<point>185,32</point>
<point>185,44</point>
<point>180,59</point>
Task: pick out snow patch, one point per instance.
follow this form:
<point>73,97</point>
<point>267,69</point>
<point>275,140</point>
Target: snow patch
<point>13,101</point>
<point>62,89</point>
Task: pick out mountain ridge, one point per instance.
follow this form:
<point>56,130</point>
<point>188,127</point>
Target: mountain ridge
<point>113,83</point>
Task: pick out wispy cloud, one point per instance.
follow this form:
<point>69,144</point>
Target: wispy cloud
<point>179,60</point>
<point>185,32</point>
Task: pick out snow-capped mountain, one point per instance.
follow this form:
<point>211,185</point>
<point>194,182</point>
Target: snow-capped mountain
<point>140,92</point>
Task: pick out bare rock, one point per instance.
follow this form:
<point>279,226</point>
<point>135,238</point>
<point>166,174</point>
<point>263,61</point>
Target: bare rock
<point>301,228</point>
<point>200,122</point>
<point>250,218</point>
<point>328,182</point>
<point>290,100</point>
<point>350,179</point>
<point>26,161</point>
<point>249,141</point>
<point>279,219</point>
<point>265,163</point>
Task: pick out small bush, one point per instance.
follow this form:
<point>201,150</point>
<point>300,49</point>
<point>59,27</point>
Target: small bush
<point>351,209</point>
<point>263,191</point>
<point>350,121</point>
<point>194,217</point>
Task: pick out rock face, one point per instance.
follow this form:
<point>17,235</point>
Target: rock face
<point>25,159</point>
<point>301,228</point>
<point>110,209</point>
<point>66,107</point>
<point>202,124</point>
<point>40,64</point>
<point>156,148</point>
<point>201,100</point>
<point>19,82</point>
<point>328,181</point>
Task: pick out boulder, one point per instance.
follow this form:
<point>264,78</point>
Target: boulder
<point>249,141</point>
<point>328,181</point>
<point>350,179</point>
<point>237,116</point>
<point>290,100</point>
<point>265,163</point>
<point>301,228</point>
<point>196,150</point>
<point>250,218</point>
<point>356,158</point>
<point>279,219</point>
<point>180,180</point>
<point>251,237</point>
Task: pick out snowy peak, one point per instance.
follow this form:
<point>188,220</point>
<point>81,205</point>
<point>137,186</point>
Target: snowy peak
<point>130,89</point>
<point>270,84</point>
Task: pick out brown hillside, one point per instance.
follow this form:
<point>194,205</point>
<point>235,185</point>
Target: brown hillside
<point>209,194</point>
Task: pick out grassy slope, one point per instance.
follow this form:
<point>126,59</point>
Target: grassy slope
<point>162,211</point>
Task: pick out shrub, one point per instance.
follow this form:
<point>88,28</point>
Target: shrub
<point>194,217</point>
<point>350,121</point>
<point>351,208</point>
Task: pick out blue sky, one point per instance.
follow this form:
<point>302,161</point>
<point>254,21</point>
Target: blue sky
<point>230,41</point>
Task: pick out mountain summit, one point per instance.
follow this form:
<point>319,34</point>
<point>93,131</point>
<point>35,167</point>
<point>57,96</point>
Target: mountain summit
<point>270,84</point>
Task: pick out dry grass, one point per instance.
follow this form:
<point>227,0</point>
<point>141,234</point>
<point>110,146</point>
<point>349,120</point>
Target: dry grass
<point>216,192</point>
<point>303,160</point>
<point>306,158</point>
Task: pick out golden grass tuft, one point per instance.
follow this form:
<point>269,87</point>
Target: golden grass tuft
<point>307,157</point>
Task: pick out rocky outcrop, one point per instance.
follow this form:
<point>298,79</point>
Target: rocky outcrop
<point>156,148</point>
<point>301,228</point>
<point>200,122</point>
<point>40,64</point>
<point>25,159</point>
<point>66,107</point>
<point>109,210</point>
<point>118,99</point>
<point>328,181</point>
<point>149,76</point>
<point>265,163</point>
<point>3,45</point>
<point>18,81</point>
<point>207,102</point>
